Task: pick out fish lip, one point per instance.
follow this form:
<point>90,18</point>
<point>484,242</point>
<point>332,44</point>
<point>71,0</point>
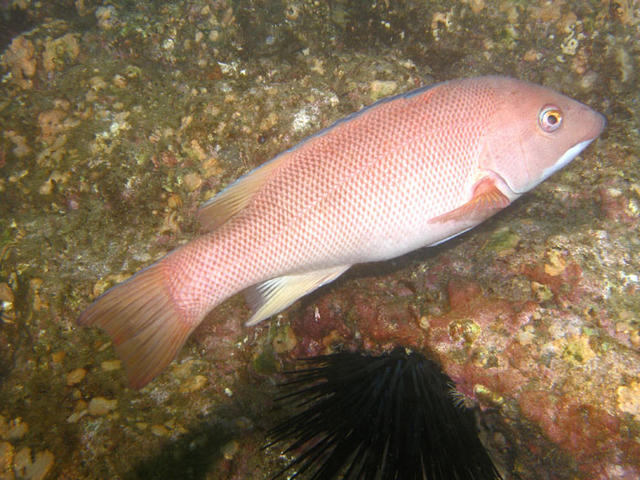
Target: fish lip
<point>565,159</point>
<point>599,128</point>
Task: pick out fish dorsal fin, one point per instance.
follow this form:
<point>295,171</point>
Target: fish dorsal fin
<point>487,199</point>
<point>235,197</point>
<point>273,296</point>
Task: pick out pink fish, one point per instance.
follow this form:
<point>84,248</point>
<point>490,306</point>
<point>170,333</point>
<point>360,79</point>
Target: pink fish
<point>408,171</point>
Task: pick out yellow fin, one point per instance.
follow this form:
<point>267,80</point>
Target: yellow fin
<point>273,296</point>
<point>145,327</point>
<point>235,197</point>
<point>487,200</point>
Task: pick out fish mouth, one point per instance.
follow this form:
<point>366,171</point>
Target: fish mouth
<point>565,159</point>
<point>512,193</point>
<point>599,127</point>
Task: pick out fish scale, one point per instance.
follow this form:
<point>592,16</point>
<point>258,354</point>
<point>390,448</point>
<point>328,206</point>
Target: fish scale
<point>409,171</point>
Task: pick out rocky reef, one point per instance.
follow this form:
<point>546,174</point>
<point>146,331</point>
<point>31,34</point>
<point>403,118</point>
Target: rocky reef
<point>119,119</point>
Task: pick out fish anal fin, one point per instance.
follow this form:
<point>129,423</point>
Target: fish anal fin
<point>270,297</point>
<point>143,322</point>
<point>487,199</point>
<point>236,196</point>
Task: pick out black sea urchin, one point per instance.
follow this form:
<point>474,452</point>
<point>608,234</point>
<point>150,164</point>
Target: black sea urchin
<point>390,417</point>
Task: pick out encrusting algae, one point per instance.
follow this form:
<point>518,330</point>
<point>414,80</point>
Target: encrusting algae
<point>165,104</point>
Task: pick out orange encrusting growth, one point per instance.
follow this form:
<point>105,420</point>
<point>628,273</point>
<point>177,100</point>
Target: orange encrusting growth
<point>407,172</point>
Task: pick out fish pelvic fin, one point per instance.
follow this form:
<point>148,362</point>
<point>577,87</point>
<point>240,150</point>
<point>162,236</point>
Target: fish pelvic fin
<point>236,196</point>
<point>486,201</point>
<point>142,320</point>
<point>273,296</point>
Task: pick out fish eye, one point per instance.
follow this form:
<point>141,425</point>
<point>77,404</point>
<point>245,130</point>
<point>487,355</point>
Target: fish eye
<point>550,119</point>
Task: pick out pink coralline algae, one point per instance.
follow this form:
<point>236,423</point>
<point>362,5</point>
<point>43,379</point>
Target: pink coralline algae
<point>546,363</point>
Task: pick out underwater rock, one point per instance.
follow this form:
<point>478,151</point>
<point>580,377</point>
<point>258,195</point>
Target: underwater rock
<point>629,399</point>
<point>60,51</point>
<point>6,460</point>
<point>111,365</point>
<point>99,406</point>
<point>76,376</point>
<point>106,16</point>
<point>20,61</point>
<point>17,429</point>
<point>337,50</point>
<point>21,149</point>
<point>51,123</point>
<point>193,384</point>
<point>6,294</point>
<point>382,88</point>
<point>32,468</point>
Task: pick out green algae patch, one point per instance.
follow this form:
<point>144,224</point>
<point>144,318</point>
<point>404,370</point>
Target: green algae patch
<point>265,362</point>
<point>503,241</point>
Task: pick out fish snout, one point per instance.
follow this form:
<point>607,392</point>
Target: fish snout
<point>594,123</point>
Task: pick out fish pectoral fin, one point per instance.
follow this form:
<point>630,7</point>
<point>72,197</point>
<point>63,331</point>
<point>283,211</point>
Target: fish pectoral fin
<point>235,197</point>
<point>273,296</point>
<point>487,200</point>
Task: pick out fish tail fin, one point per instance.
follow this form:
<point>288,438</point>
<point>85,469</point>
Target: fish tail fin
<point>146,326</point>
